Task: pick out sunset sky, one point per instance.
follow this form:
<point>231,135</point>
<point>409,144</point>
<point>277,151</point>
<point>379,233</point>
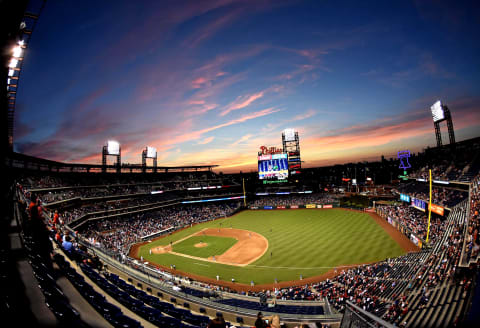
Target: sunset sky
<point>209,82</point>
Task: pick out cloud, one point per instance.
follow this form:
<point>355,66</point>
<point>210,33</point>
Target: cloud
<point>213,26</point>
<point>194,135</point>
<point>424,65</point>
<point>242,139</point>
<point>199,82</point>
<point>206,140</point>
<point>307,114</point>
<point>242,102</point>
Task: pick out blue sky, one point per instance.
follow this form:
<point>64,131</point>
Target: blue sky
<point>209,82</point>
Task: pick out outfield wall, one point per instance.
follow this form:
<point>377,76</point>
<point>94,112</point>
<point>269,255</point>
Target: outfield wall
<point>414,238</point>
<point>291,207</point>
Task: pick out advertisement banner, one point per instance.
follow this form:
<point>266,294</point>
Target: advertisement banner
<point>281,207</point>
<point>405,198</point>
<point>328,206</point>
<point>419,204</point>
<point>414,240</point>
<point>254,207</point>
<point>268,207</point>
<point>319,206</point>
<point>311,206</point>
<point>437,209</point>
<point>293,206</point>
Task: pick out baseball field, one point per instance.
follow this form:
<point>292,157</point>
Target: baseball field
<point>278,246</point>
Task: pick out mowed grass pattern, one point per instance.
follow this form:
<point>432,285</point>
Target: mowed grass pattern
<point>306,242</point>
<point>216,246</point>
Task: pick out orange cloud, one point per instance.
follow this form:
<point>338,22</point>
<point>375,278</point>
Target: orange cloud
<point>206,140</point>
<point>242,102</point>
<point>193,135</point>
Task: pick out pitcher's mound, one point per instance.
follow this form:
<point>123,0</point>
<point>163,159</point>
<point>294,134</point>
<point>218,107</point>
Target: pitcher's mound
<point>200,245</point>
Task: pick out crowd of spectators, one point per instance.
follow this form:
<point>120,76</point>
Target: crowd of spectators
<point>78,180</point>
<point>445,197</point>
<point>447,171</point>
<point>101,207</point>
<point>294,199</point>
<point>415,220</point>
<point>52,189</point>
<point>117,234</point>
<point>472,238</point>
<point>439,171</point>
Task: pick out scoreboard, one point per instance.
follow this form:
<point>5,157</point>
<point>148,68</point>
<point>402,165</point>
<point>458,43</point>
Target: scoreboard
<point>274,166</point>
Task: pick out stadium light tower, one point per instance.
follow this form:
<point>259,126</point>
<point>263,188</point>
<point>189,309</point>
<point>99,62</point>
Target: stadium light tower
<point>441,113</point>
<point>149,152</point>
<point>291,146</point>
<point>112,148</point>
<point>17,41</point>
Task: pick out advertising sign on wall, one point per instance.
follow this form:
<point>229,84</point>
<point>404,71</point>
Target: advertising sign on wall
<point>437,209</point>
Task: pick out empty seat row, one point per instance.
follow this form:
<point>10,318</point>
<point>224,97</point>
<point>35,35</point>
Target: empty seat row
<point>55,299</point>
<point>156,310</point>
<point>290,309</point>
<point>110,312</point>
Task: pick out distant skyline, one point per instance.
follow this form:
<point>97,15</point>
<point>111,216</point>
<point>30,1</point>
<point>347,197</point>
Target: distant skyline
<point>209,82</point>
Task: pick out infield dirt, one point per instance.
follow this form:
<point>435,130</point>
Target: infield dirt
<point>250,246</point>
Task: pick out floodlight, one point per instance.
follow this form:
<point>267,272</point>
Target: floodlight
<point>437,111</point>
<point>9,80</point>
<point>17,51</point>
<point>289,134</point>
<point>113,147</point>
<point>13,63</point>
<point>11,72</point>
<point>21,42</point>
<point>151,152</point>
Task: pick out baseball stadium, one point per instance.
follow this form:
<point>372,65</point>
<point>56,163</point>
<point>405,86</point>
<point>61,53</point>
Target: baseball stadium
<point>122,211</point>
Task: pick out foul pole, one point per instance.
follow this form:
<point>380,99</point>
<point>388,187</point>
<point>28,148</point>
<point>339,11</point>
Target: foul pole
<point>429,205</point>
<point>244,197</point>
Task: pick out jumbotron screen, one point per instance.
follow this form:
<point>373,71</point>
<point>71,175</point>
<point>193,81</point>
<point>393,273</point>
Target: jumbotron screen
<point>273,166</point>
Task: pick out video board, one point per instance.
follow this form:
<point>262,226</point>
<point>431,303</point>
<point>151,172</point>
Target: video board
<point>273,166</point>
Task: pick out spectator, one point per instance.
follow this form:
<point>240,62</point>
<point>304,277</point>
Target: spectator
<point>67,244</point>
<point>218,322</point>
<point>260,322</point>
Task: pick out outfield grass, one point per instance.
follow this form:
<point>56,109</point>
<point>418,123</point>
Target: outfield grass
<point>216,246</point>
<point>305,242</point>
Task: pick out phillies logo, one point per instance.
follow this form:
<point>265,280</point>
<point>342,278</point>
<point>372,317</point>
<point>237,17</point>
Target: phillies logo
<point>272,150</point>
